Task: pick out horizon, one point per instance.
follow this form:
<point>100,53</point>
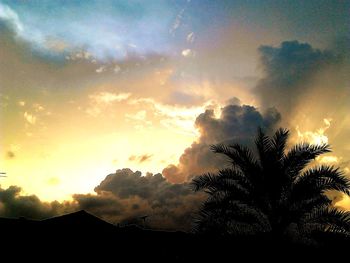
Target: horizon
<point>112,106</point>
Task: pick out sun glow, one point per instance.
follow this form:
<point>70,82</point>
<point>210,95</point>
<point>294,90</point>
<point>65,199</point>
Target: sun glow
<point>315,137</point>
<point>77,149</point>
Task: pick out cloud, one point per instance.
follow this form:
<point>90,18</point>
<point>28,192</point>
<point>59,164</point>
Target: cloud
<point>14,204</point>
<point>141,158</point>
<point>188,53</point>
<point>127,195</point>
<point>80,55</point>
<point>56,45</point>
<point>237,124</point>
<point>128,27</point>
<point>30,118</point>
<point>310,87</point>
<point>178,21</point>
<point>317,137</point>
<point>296,83</point>
<point>175,117</point>
<point>289,71</point>
<point>99,101</point>
<point>108,97</point>
<point>101,69</point>
<point>10,16</point>
<point>190,37</point>
<point>105,205</point>
<point>37,107</point>
<point>122,197</point>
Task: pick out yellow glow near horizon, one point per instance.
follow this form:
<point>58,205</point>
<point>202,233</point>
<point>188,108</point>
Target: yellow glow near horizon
<point>71,150</point>
<point>79,164</point>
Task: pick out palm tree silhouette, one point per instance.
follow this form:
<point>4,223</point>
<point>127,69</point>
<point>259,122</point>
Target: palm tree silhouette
<point>272,192</point>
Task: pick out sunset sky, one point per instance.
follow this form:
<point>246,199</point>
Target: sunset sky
<point>90,87</point>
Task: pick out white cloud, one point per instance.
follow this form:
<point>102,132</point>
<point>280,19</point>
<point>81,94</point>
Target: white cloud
<point>100,100</point>
<point>109,97</point>
<point>178,118</point>
<point>188,53</point>
<point>31,35</point>
<point>101,69</point>
<point>190,37</point>
<point>31,119</point>
<point>80,55</point>
<point>178,21</point>
<point>7,14</point>
<point>37,107</point>
<point>315,137</point>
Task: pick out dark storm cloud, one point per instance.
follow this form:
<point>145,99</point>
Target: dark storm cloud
<point>127,195</point>
<point>297,78</point>
<point>308,85</point>
<point>289,73</point>
<point>122,197</point>
<point>237,124</point>
<point>13,204</point>
<point>105,204</point>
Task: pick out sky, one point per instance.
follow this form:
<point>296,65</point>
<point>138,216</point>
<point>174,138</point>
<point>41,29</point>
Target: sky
<point>96,88</point>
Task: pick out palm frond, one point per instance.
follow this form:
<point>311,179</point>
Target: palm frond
<point>320,179</point>
<point>264,146</point>
<point>300,207</point>
<point>332,219</point>
<point>224,178</point>
<point>234,174</point>
<point>300,156</point>
<point>279,142</point>
<point>228,190</point>
<point>241,158</point>
<point>203,181</point>
<point>231,212</point>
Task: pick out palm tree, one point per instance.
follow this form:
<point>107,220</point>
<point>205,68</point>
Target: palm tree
<point>272,192</point>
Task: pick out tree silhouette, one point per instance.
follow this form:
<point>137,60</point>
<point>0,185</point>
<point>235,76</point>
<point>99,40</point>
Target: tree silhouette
<point>272,192</point>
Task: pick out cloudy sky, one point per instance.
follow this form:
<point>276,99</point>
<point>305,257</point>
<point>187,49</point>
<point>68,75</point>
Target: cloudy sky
<point>96,88</point>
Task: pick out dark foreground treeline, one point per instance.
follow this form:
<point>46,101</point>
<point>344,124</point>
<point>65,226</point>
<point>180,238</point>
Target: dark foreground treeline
<point>81,236</point>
